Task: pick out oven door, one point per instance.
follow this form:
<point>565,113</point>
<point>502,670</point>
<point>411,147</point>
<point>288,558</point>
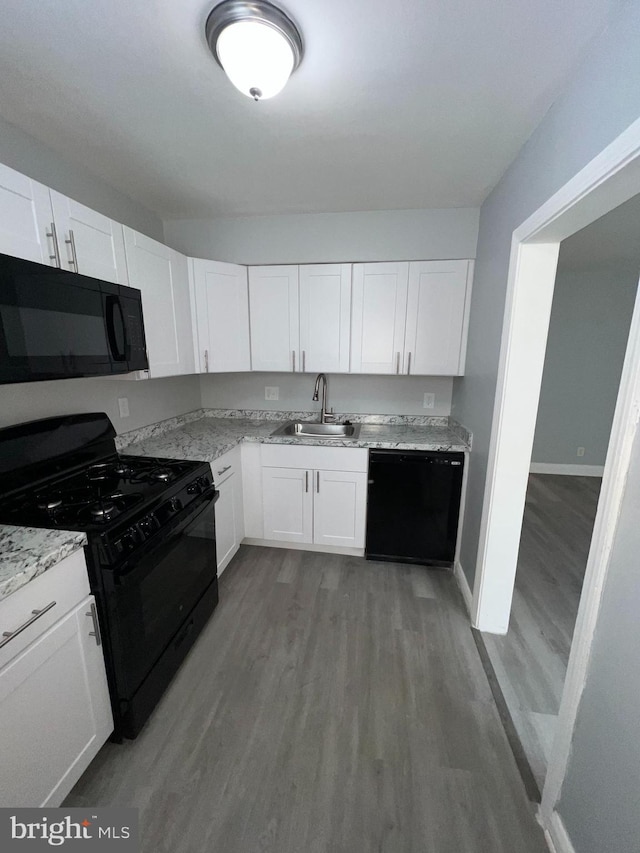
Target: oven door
<point>151,595</point>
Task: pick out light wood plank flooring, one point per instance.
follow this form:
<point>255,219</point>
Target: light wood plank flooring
<point>332,705</point>
<point>530,662</point>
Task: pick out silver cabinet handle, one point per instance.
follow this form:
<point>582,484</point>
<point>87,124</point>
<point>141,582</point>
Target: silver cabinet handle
<point>96,627</point>
<point>304,361</point>
<point>306,481</point>
<point>56,251</point>
<point>224,470</point>
<point>318,481</point>
<point>206,361</point>
<point>293,355</point>
<point>397,362</point>
<point>9,635</point>
<point>71,241</point>
<point>409,364</point>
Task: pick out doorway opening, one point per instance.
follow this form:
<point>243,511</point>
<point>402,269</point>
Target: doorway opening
<point>593,299</point>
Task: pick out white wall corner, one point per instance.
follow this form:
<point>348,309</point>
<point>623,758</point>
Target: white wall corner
<point>463,584</point>
<point>556,834</point>
<point>569,470</point>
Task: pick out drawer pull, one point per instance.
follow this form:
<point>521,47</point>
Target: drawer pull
<point>224,470</point>
<point>9,635</point>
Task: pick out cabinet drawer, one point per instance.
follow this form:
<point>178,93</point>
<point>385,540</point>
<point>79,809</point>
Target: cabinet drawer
<point>307,456</point>
<point>66,584</point>
<point>226,466</point>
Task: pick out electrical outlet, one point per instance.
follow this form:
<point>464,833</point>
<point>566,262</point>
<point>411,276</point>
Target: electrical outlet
<point>123,405</point>
<point>271,392</point>
<point>429,401</point>
<point>580,451</point>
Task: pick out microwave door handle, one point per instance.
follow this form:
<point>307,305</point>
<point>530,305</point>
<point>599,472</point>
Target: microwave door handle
<point>113,303</point>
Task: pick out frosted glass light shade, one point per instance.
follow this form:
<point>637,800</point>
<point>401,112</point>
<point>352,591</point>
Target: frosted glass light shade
<point>256,58</point>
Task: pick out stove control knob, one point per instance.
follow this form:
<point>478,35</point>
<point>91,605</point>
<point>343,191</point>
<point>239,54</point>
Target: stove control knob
<point>175,504</point>
<point>194,488</point>
<point>203,482</point>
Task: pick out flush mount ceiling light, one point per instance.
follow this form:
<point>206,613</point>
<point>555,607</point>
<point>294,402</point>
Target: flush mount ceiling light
<point>256,44</point>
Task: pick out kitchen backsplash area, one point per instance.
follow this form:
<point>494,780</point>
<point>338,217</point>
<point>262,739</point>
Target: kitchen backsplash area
<point>392,395</point>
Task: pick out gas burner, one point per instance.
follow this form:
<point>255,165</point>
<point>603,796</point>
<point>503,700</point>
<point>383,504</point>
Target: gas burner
<point>106,470</point>
<point>103,510</point>
<point>49,503</point>
<point>161,474</point>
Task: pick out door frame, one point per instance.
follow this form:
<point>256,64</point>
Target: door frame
<point>610,179</point>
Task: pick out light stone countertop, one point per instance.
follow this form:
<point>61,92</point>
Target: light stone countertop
<point>208,438</point>
<point>27,552</point>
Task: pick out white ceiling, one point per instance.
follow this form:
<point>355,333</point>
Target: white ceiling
<point>401,104</point>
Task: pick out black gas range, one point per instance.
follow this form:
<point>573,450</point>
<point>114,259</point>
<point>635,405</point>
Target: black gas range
<point>151,556</point>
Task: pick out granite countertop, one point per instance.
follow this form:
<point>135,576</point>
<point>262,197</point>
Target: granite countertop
<point>26,552</point>
<point>208,438</point>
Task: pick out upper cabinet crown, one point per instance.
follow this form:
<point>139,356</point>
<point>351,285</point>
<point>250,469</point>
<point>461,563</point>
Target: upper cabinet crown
<point>410,318</point>
<point>300,317</point>
<point>162,275</point>
<point>220,313</point>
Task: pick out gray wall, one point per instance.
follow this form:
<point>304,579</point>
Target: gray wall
<point>22,152</point>
<point>602,100</point>
<point>600,801</point>
<point>150,400</point>
<point>383,235</point>
<point>357,394</point>
<point>587,340</point>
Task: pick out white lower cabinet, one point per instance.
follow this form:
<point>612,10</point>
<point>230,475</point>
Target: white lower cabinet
<point>312,504</point>
<point>227,475</point>
<point>54,702</point>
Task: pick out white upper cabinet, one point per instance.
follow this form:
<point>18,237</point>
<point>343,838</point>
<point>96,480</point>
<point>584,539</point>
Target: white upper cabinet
<point>162,275</point>
<point>325,315</point>
<point>273,301</point>
<point>379,314</point>
<point>221,316</point>
<point>437,317</point>
<point>26,219</point>
<point>90,243</point>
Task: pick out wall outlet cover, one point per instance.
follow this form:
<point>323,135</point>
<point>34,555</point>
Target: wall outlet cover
<point>429,401</point>
<point>123,406</point>
<point>271,392</point>
<point>580,451</point>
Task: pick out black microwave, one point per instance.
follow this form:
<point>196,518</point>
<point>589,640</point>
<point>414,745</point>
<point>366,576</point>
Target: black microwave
<point>56,324</point>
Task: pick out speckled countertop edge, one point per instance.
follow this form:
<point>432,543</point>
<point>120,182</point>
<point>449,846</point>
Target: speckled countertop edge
<point>27,552</point>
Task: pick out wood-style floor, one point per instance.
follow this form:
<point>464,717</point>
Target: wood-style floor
<point>332,705</point>
<point>530,662</point>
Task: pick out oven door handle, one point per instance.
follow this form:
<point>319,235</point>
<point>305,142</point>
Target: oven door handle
<point>124,571</point>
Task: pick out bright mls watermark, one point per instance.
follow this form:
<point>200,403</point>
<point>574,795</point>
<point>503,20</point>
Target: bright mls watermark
<point>109,830</point>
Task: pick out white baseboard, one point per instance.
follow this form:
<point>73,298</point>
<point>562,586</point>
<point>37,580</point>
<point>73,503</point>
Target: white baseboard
<point>571,470</point>
<point>463,583</point>
<point>556,834</point>
<point>303,546</point>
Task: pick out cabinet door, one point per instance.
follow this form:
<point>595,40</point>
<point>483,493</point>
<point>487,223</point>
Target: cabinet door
<point>339,511</point>
<point>222,316</point>
<point>287,495</point>
<point>90,243</point>
<point>273,308</point>
<point>379,314</point>
<point>26,219</point>
<point>436,317</point>
<point>325,317</point>
<point>226,525</point>
<point>55,711</point>
<point>162,276</point>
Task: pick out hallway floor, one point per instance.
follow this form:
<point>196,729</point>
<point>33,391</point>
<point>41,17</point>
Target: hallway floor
<point>332,705</point>
<point>530,663</point>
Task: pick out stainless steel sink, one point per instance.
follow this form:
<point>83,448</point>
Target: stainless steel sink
<point>300,429</point>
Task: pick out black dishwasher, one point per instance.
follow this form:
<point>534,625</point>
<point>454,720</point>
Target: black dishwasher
<point>413,506</point>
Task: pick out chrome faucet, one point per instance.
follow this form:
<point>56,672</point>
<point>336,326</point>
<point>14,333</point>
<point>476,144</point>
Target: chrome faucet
<point>325,417</point>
